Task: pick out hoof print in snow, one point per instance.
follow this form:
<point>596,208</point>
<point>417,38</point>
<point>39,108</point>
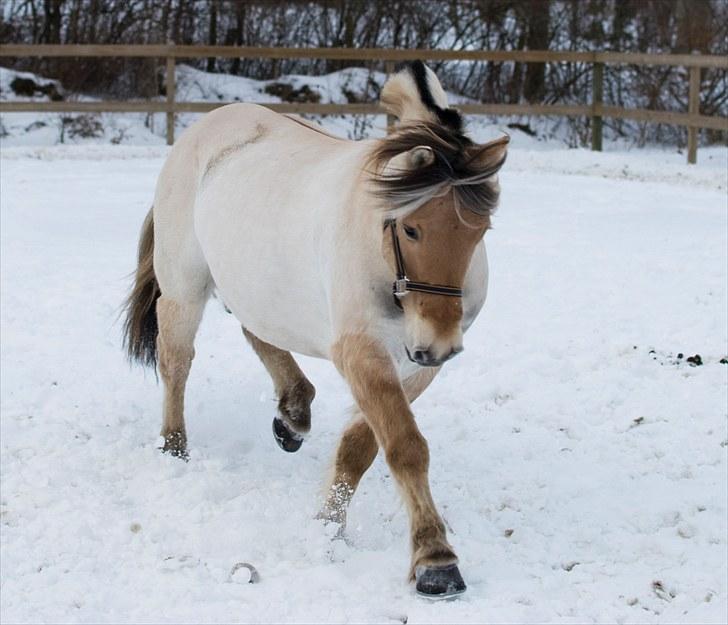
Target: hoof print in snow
<point>662,592</point>
<point>439,582</point>
<point>286,438</point>
<point>244,573</point>
<point>173,564</point>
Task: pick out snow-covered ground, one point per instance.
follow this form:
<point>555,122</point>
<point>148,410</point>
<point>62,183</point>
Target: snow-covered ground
<point>579,461</point>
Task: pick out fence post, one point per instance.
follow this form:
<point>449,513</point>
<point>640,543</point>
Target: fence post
<point>597,97</point>
<point>170,85</point>
<point>391,119</point>
<point>693,109</point>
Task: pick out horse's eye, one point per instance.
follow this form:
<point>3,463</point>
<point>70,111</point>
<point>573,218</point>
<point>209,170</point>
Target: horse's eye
<point>410,232</point>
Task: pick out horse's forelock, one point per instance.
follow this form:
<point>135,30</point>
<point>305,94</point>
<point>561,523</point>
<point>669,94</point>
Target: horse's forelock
<point>453,168</point>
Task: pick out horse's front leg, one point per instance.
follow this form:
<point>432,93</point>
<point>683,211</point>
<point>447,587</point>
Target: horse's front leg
<point>357,450</point>
<point>370,372</point>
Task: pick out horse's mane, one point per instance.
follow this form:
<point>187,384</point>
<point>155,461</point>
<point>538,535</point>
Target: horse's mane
<point>457,165</point>
<point>415,96</point>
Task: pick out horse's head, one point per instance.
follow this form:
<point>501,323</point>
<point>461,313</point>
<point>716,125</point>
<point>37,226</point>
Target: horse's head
<point>438,190</point>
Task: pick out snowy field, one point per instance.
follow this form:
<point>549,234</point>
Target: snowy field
<point>579,461</point>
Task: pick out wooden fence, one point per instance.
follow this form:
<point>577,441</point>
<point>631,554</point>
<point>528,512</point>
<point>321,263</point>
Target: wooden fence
<point>596,110</point>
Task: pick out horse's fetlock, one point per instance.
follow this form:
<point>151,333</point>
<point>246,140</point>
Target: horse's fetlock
<point>337,501</point>
<point>306,389</point>
<point>436,554</point>
<point>300,394</point>
<point>429,534</point>
<point>294,406</point>
<point>175,443</point>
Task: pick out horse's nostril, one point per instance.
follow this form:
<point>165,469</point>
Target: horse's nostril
<point>424,358</point>
<point>421,356</point>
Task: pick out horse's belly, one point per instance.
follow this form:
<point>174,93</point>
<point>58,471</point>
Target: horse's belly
<point>266,268</point>
<point>301,332</point>
<point>284,308</point>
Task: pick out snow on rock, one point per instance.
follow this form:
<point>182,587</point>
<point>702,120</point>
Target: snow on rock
<point>578,460</point>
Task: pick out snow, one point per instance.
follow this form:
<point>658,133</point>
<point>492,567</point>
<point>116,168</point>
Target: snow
<point>579,463</point>
<point>43,129</point>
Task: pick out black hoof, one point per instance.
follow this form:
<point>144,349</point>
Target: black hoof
<point>286,438</point>
<point>439,582</point>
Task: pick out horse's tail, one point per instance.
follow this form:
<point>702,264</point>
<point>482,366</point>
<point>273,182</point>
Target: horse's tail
<point>140,325</point>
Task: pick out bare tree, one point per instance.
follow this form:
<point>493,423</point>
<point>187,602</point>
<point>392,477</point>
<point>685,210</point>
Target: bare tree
<point>624,25</point>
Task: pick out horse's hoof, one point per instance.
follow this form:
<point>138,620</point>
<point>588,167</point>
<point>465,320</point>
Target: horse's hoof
<point>439,582</point>
<point>286,438</point>
<point>177,453</point>
<point>175,444</point>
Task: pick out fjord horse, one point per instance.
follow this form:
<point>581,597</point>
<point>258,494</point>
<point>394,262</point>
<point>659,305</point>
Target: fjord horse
<point>368,253</point>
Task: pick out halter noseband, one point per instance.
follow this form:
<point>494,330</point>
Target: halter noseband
<point>403,284</point>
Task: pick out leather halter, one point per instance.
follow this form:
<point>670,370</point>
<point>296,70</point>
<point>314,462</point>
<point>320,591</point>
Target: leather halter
<point>403,284</point>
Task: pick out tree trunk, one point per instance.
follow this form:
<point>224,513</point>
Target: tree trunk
<point>51,21</point>
<point>212,34</point>
<point>537,39</point>
<point>239,21</point>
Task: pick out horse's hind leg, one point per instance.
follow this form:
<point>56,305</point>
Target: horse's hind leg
<point>295,393</point>
<point>178,323</point>
<point>357,450</point>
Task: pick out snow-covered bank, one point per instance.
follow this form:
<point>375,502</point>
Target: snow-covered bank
<point>353,84</point>
<point>580,463</point>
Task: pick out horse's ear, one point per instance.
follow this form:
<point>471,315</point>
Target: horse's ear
<point>415,158</point>
<point>414,94</point>
<point>489,157</point>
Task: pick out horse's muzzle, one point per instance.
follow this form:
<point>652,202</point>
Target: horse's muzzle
<point>425,357</point>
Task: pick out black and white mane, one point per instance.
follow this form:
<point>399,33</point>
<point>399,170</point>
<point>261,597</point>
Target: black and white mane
<point>459,164</point>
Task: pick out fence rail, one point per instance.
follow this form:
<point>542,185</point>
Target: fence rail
<point>596,110</point>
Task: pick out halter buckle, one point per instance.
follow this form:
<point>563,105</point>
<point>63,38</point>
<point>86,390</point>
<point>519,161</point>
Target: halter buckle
<point>400,287</point>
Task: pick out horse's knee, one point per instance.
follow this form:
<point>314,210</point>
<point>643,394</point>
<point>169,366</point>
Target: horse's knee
<point>408,454</point>
<point>175,442</point>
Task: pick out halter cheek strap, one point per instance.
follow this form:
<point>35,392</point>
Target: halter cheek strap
<point>403,284</point>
